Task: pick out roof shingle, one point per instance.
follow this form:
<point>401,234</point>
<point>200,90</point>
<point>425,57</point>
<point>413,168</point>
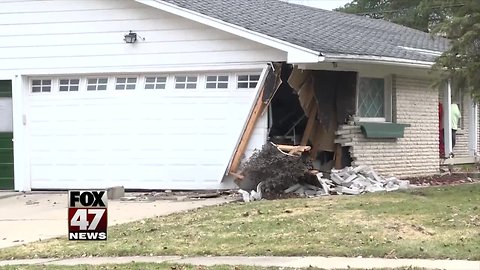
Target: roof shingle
<point>327,32</point>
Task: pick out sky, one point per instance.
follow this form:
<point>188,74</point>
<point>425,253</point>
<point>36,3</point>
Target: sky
<point>324,4</point>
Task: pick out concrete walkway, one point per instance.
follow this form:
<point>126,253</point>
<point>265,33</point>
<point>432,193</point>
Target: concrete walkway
<point>294,262</point>
<point>27,218</point>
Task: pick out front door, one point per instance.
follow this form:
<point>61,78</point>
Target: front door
<point>6,135</point>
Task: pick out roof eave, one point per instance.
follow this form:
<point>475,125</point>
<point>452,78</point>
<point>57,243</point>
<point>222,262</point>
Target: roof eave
<point>295,53</point>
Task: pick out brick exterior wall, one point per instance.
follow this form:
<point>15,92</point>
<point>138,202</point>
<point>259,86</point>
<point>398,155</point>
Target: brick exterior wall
<point>414,103</point>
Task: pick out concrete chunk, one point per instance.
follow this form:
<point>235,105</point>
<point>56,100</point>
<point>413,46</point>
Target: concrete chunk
<point>376,177</point>
<point>343,140</point>
<point>345,190</point>
<point>343,132</point>
<point>360,168</point>
<point>115,193</point>
<point>348,127</point>
<point>403,184</point>
<point>374,188</point>
<point>300,191</point>
<point>311,187</point>
<point>325,187</point>
<point>336,178</point>
<point>351,178</point>
<point>293,188</point>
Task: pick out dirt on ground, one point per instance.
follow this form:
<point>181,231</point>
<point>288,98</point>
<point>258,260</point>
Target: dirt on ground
<point>445,179</point>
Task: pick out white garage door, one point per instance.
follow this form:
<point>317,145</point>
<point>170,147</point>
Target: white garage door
<point>147,131</point>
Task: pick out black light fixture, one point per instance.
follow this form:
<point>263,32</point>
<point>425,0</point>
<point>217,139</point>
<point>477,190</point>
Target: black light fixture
<point>131,37</point>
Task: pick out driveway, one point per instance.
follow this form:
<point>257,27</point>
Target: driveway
<point>32,217</point>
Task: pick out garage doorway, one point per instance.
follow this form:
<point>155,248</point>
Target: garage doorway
<point>6,136</point>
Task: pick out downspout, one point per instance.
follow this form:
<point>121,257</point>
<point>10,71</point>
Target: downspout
<point>472,127</point>
<point>447,123</point>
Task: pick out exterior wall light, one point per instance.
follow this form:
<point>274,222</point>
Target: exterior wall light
<point>131,37</point>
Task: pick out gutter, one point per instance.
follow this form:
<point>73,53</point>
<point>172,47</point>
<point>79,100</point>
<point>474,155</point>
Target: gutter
<point>364,59</point>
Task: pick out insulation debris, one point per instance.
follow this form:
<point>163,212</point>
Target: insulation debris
<point>254,195</point>
<point>350,181</point>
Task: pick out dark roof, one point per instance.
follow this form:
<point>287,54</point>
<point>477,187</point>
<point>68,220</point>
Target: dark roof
<point>327,32</point>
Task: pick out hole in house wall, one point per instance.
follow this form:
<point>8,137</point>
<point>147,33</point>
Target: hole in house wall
<point>332,96</point>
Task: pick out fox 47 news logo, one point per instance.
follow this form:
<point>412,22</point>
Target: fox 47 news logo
<point>87,215</point>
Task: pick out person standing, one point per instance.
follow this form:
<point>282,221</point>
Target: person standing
<point>455,119</point>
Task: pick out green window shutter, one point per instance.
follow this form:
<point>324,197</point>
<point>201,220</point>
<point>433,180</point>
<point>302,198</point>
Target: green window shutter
<point>6,161</point>
<point>382,130</point>
<point>5,88</point>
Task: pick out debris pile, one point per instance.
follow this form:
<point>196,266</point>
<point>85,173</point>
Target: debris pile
<point>351,181</point>
<point>276,167</point>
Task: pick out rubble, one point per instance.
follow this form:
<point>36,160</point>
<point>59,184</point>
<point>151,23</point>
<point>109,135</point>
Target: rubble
<point>254,195</point>
<point>350,181</point>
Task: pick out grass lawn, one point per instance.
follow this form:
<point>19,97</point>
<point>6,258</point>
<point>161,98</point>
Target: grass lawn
<point>436,222</point>
<point>154,266</point>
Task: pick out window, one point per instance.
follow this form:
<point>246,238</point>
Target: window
<point>39,86</point>
<point>126,83</point>
<point>371,98</point>
<point>185,82</point>
<point>67,85</point>
<point>97,84</point>
<point>247,81</point>
<point>155,82</point>
<point>217,82</point>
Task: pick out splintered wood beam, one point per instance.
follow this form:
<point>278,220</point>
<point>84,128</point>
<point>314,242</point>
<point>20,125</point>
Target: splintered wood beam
<point>295,148</point>
<point>242,146</point>
<point>338,157</point>
<point>310,123</point>
<point>237,175</point>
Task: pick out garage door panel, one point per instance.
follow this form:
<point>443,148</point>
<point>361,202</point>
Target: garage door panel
<point>139,139</point>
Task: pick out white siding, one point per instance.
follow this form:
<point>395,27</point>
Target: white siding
<point>85,37</point>
<point>58,36</point>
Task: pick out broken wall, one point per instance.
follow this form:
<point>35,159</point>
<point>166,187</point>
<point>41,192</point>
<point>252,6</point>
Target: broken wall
<point>335,96</point>
<point>416,154</point>
<point>328,99</point>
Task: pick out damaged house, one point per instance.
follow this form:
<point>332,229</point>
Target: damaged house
<point>175,94</point>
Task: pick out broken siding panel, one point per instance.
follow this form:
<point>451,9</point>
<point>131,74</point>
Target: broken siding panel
<point>417,153</point>
<point>259,136</point>
<point>60,35</point>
